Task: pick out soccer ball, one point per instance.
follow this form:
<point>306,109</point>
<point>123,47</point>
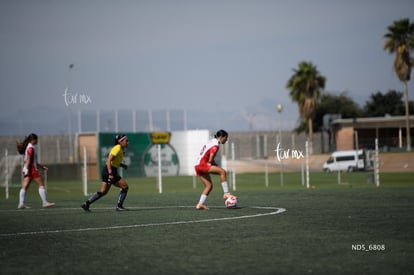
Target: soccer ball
<point>231,202</point>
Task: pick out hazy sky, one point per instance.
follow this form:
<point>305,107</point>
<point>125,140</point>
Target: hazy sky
<point>203,55</point>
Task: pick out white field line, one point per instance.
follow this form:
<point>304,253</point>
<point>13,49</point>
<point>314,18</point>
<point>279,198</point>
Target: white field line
<point>274,211</point>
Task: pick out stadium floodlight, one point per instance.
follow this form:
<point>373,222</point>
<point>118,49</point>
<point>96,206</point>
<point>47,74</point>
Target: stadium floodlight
<point>279,109</point>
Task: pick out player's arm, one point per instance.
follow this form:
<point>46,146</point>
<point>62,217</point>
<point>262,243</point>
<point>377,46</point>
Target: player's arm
<point>26,165</point>
<point>108,165</point>
<point>44,167</point>
<point>212,157</point>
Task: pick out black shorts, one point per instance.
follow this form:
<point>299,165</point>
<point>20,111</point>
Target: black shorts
<point>105,175</point>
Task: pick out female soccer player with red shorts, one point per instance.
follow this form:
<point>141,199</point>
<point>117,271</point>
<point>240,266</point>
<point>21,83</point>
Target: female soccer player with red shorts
<point>30,171</point>
<point>205,165</point>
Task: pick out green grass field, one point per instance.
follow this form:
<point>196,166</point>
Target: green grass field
<point>348,228</point>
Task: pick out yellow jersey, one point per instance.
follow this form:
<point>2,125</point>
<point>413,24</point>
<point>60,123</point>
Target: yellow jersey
<point>118,154</point>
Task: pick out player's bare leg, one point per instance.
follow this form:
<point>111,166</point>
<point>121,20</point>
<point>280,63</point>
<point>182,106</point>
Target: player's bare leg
<point>223,179</point>
<point>42,193</point>
<point>208,186</point>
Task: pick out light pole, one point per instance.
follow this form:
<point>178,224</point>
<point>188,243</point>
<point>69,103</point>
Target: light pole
<point>279,109</point>
<point>68,103</point>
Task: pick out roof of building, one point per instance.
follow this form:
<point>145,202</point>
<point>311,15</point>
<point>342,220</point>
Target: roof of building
<point>373,122</point>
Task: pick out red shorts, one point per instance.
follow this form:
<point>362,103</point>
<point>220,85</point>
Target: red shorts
<point>33,174</point>
<point>202,169</point>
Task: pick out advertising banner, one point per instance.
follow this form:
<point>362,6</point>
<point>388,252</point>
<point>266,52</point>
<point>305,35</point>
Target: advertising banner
<point>141,156</point>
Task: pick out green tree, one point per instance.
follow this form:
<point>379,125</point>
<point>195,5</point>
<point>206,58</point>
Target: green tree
<point>400,40</point>
<point>335,104</point>
<point>305,87</point>
<point>329,107</point>
<point>380,104</point>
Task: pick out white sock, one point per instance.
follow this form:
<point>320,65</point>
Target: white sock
<point>22,197</point>
<point>225,187</point>
<point>203,199</point>
<point>42,193</point>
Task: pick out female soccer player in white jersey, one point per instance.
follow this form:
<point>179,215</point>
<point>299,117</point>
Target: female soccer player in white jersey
<point>205,165</point>
<point>30,171</point>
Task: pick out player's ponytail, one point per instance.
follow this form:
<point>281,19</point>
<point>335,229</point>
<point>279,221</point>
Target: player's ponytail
<point>21,146</point>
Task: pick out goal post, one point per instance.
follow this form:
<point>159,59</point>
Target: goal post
<point>8,165</point>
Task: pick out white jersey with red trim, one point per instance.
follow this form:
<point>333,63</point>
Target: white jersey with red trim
<point>30,153</point>
<point>210,147</point>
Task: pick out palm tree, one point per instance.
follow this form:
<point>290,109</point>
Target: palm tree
<point>305,87</point>
<point>400,39</point>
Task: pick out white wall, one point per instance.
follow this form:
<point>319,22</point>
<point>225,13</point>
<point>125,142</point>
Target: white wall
<point>187,145</point>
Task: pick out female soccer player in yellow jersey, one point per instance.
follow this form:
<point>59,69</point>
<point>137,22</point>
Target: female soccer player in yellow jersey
<point>110,174</point>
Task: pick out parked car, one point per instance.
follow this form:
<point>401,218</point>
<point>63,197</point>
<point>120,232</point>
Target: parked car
<point>350,160</point>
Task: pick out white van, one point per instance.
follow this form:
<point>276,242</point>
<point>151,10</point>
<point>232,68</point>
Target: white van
<point>346,161</point>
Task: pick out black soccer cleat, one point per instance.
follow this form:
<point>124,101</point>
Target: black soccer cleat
<point>121,208</point>
<point>85,207</point>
